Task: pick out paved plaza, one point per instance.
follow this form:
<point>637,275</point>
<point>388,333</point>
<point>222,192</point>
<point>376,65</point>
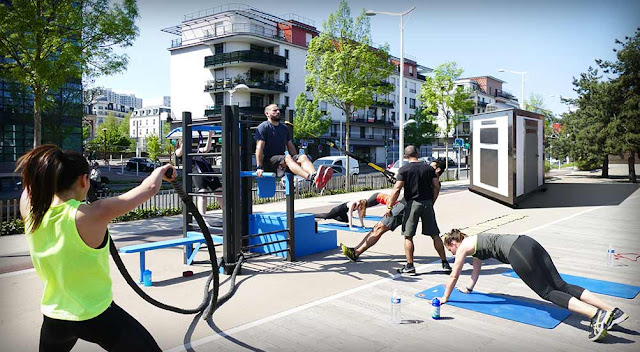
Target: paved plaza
<point>323,302</point>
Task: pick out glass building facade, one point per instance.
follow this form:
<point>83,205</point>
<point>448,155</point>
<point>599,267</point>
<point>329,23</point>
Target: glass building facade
<point>61,120</point>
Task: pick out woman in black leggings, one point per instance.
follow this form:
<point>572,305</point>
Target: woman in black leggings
<point>534,266</point>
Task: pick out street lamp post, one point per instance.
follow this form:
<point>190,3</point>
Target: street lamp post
<point>104,132</point>
<point>522,75</point>
<point>401,126</point>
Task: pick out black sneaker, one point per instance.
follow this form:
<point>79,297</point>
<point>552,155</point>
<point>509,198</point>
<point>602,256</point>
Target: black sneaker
<point>349,252</point>
<point>446,267</point>
<point>407,270</point>
<point>599,324</point>
<point>617,317</point>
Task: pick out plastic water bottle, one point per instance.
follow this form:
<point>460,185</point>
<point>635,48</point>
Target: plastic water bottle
<point>435,308</point>
<point>610,254</point>
<point>396,306</point>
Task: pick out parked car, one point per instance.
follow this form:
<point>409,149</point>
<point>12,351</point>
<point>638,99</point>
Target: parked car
<point>394,167</point>
<point>451,161</point>
<point>339,160</point>
<point>142,164</point>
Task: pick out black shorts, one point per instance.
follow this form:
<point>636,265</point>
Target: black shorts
<point>113,330</point>
<point>273,162</point>
<point>395,220</point>
<point>206,183</point>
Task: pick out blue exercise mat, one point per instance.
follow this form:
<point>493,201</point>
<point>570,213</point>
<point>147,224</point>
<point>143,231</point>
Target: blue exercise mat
<point>544,316</point>
<point>343,227</point>
<point>371,217</point>
<point>598,286</point>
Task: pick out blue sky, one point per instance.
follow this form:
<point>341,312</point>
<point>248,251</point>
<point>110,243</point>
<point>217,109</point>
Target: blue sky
<point>553,41</point>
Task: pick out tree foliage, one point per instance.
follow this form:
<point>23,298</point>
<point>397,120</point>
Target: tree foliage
<point>154,147</point>
<point>343,69</point>
<point>115,138</point>
<point>423,131</point>
<point>309,121</point>
<point>440,95</point>
<point>47,43</point>
<point>625,126</point>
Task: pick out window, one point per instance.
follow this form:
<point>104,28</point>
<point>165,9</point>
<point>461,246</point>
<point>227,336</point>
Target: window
<point>412,103</point>
<point>286,77</point>
<point>405,83</point>
<point>393,116</point>
<point>286,100</point>
<point>154,122</point>
<point>334,130</point>
<point>218,49</point>
<point>361,132</point>
<point>405,100</point>
<point>286,53</point>
<point>411,70</point>
<point>308,38</point>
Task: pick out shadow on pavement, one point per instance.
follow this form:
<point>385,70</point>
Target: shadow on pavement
<point>579,195</point>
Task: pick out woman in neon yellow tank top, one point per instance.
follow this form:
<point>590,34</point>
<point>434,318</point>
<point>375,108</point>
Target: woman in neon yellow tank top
<point>70,252</point>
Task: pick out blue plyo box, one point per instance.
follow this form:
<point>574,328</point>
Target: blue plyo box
<point>544,316</point>
<point>598,286</point>
<point>343,227</point>
<point>307,241</point>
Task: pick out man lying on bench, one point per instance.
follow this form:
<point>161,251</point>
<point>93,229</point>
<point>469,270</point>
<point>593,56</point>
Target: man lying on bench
<point>534,266</point>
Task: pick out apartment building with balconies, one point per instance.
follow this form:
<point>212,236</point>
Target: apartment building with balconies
<point>483,90</point>
<point>223,47</point>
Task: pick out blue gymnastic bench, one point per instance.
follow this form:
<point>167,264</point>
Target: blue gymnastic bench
<point>193,238</point>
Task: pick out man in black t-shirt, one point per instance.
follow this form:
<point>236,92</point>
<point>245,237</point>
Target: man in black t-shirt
<point>421,188</point>
<point>276,153</point>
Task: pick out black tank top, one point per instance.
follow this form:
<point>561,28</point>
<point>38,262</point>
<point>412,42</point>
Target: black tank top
<point>494,246</point>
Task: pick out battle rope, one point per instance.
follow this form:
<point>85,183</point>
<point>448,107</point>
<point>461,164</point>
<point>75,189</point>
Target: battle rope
<point>210,300</point>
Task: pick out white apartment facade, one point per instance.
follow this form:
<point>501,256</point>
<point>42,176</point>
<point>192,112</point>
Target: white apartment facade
<point>122,99</point>
<point>148,121</point>
<point>233,44</point>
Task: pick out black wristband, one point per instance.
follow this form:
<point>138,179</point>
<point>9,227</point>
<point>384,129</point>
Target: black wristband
<point>258,167</point>
<point>469,289</point>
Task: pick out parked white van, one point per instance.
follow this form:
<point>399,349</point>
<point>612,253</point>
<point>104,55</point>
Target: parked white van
<point>339,160</point>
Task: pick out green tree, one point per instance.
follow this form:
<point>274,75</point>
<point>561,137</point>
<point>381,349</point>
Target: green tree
<point>343,68</point>
<point>47,43</point>
<point>115,139</point>
<point>536,104</point>
<point>309,119</point>
<point>423,131</point>
<point>590,126</point>
<point>154,147</point>
<point>440,95</point>
<point>626,125</point>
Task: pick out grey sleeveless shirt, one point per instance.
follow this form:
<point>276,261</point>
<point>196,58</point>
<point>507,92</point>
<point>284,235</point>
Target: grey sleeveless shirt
<point>494,246</point>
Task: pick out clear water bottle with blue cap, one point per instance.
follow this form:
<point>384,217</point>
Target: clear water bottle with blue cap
<point>610,254</point>
<point>435,308</point>
<point>396,307</point>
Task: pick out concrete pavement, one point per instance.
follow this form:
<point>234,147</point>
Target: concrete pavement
<point>325,303</point>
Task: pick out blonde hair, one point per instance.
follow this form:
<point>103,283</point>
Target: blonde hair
<point>362,208</point>
<point>453,235</point>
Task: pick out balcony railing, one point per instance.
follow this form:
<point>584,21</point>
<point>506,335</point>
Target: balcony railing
<point>237,28</point>
<point>244,110</point>
<point>373,121</point>
<point>227,84</point>
<point>383,103</point>
<point>246,56</point>
<point>482,104</point>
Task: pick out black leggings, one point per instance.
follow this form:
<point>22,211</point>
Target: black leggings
<point>373,200</point>
<point>534,266</point>
<point>113,330</point>
<point>338,213</point>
